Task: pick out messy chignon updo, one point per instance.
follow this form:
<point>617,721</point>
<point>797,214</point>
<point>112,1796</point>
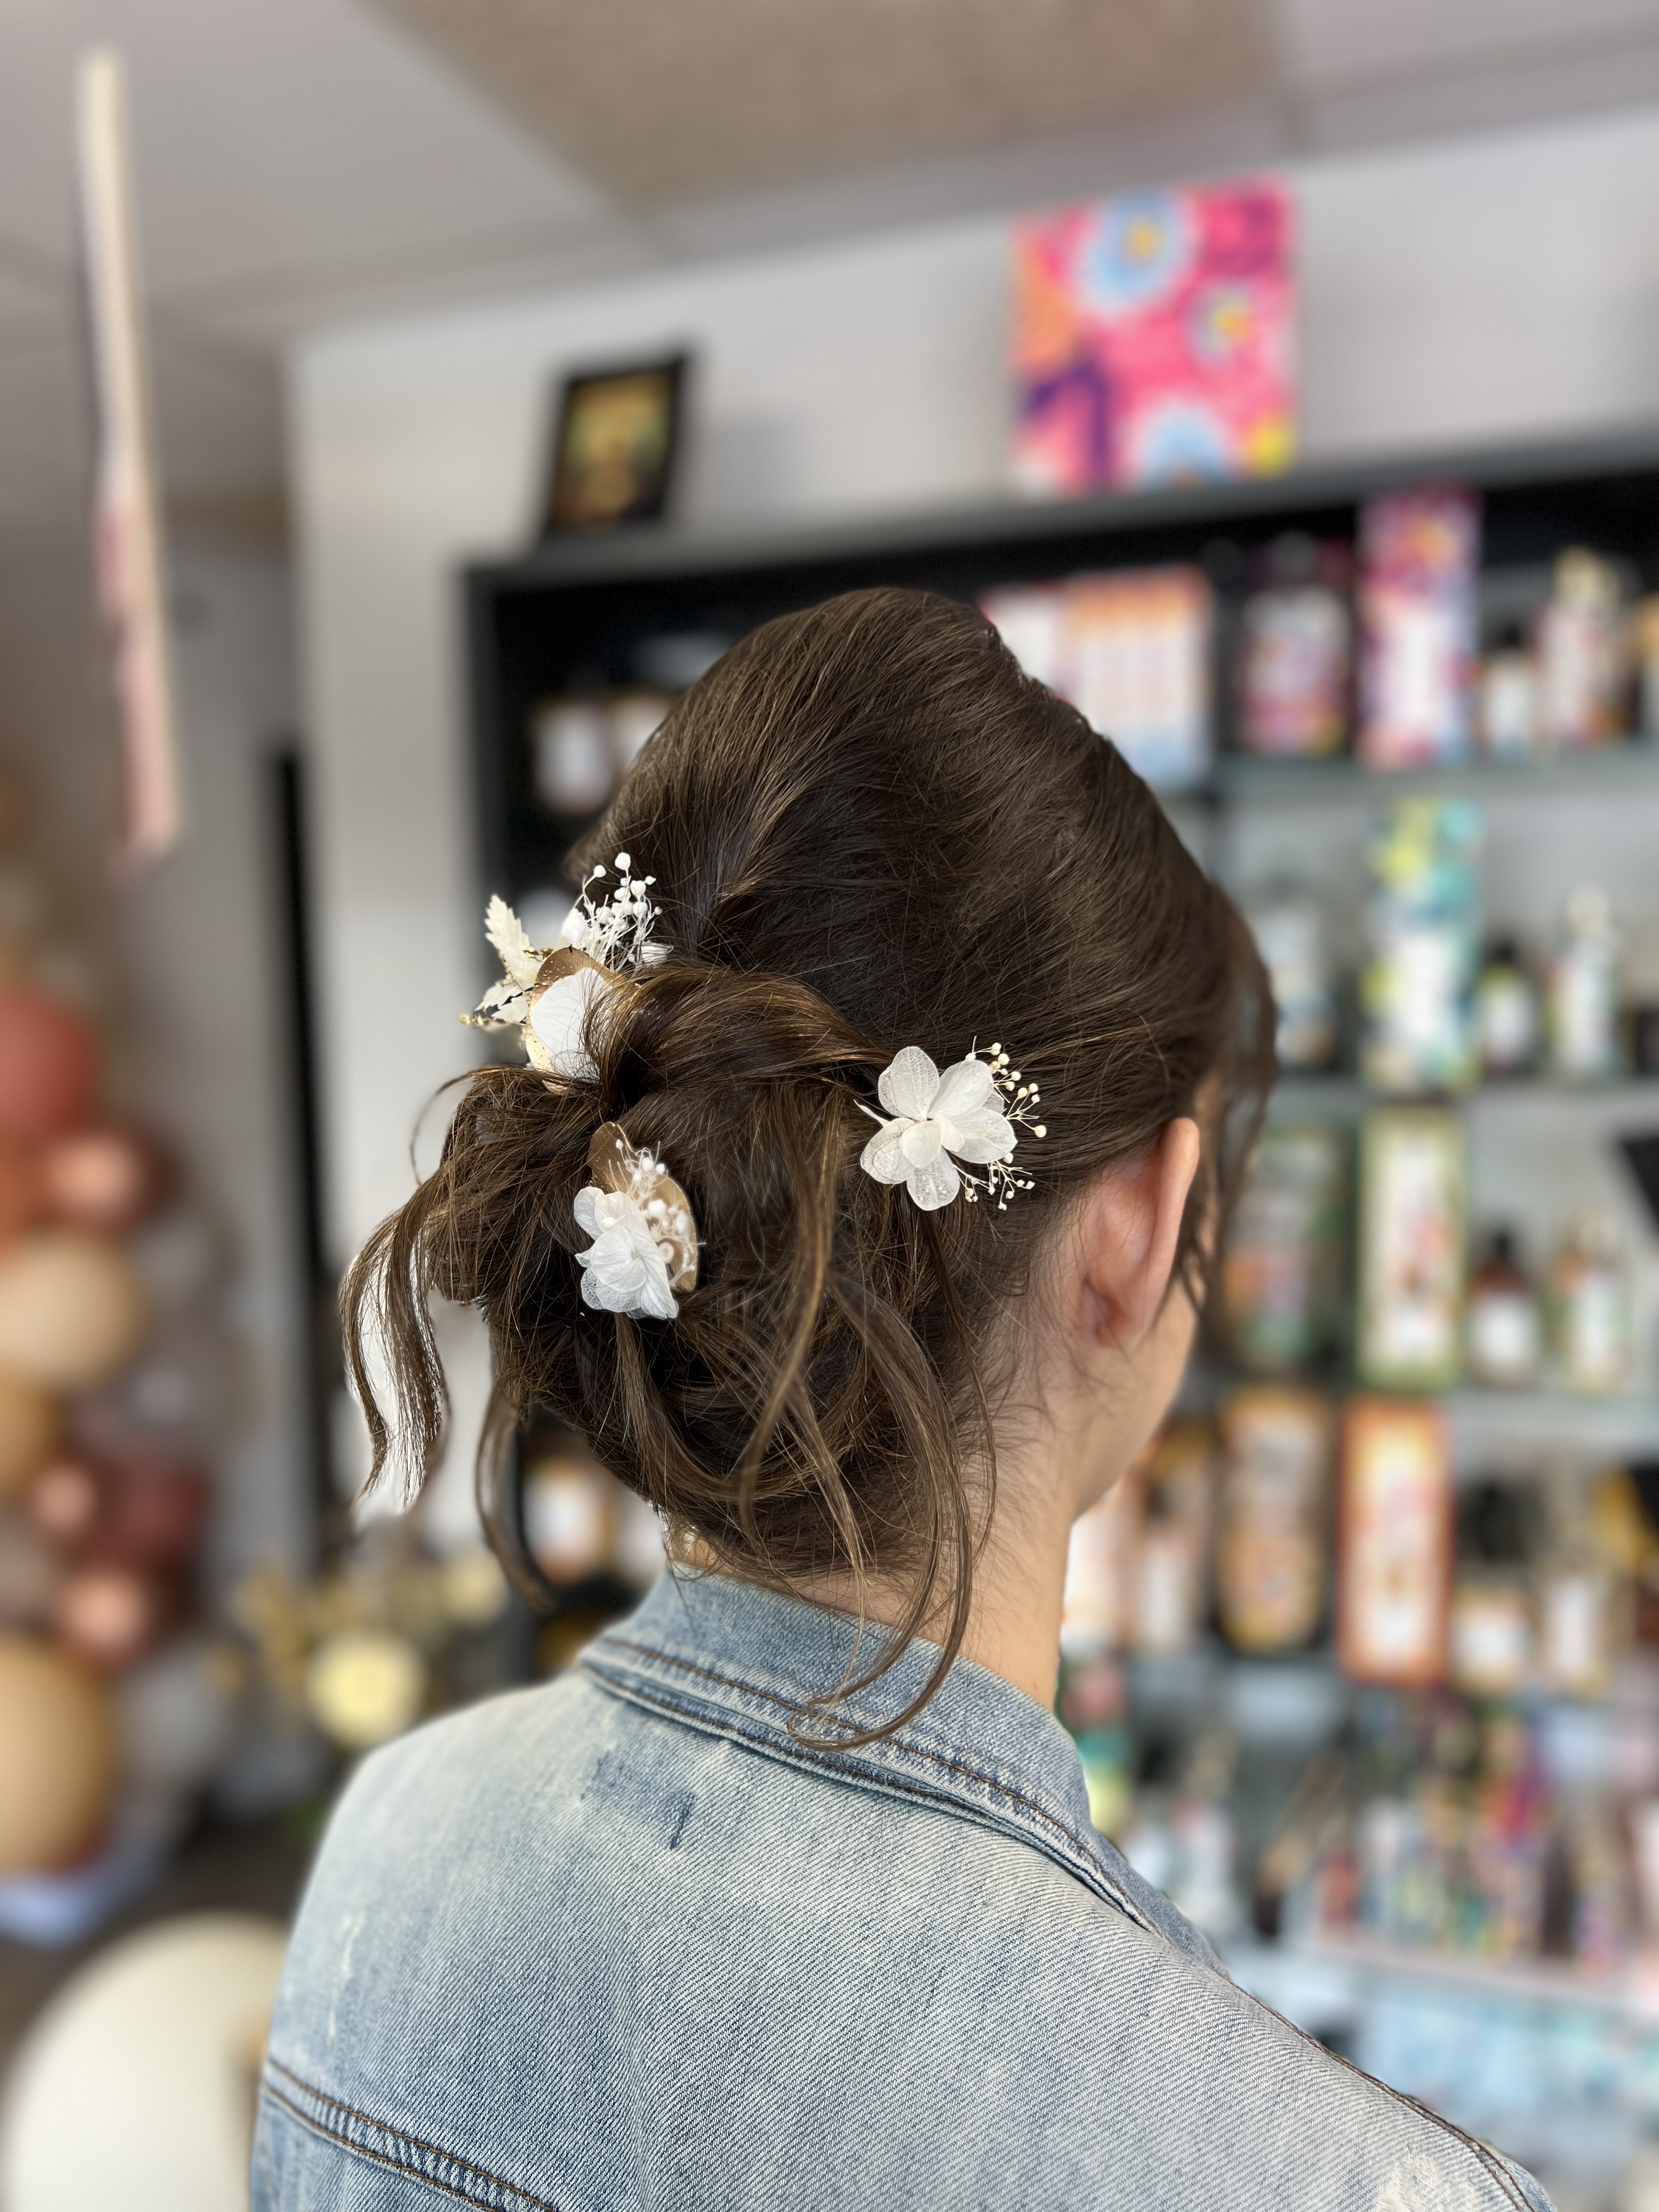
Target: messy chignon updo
<point>868,829</point>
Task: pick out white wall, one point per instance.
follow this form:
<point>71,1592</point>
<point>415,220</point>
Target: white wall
<point>1460,292</point>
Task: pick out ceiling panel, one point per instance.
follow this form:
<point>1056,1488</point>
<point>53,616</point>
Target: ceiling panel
<point>658,98</point>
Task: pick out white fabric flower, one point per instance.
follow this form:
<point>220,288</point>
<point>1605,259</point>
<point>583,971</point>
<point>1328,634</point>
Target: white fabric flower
<point>553,1034</point>
<point>934,1116</point>
<point>625,1268</point>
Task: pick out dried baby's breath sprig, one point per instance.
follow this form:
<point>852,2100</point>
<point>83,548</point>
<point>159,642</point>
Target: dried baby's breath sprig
<point>1020,1101</point>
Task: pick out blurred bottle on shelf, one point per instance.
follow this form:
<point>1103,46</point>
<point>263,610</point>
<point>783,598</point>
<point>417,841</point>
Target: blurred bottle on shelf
<point>1294,670</point>
<point>1395,1543</point>
<point>1506,1012</point>
<point>1273,1526</point>
<point>1137,653</point>
<point>1505,1321</point>
<point>1283,1286</point>
<point>1493,1621</point>
<point>1507,717</point>
<point>1172,1578</point>
<point>1583,638</point>
<point>1130,649</point>
<point>1582,989</point>
<point>1594,1545</point>
<point>573,772</point>
<point>1138,1568</point>
<point>1423,942</point>
<point>1410,1271</point>
<point>1589,1307</point>
<point>1093,1703</point>
<point>1292,934</point>
<point>1420,554</point>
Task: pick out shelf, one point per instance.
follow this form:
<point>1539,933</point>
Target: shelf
<point>1330,1972</point>
<point>1308,1087</point>
<point>1632,764</point>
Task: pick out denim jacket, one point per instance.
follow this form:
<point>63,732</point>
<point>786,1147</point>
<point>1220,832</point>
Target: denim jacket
<point>625,1940</point>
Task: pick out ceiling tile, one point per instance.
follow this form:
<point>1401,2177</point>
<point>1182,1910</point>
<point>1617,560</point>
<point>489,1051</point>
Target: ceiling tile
<point>664,97</point>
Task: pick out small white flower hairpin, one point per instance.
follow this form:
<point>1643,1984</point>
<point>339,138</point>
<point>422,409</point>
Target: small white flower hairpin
<point>645,1241</point>
<point>547,993</point>
<point>967,1113</point>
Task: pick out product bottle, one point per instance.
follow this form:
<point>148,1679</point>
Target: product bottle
<point>1508,698</point>
<point>1583,989</point>
<point>1505,1012</point>
<point>1582,654</point>
<point>1506,1326</point>
<point>1589,1308</point>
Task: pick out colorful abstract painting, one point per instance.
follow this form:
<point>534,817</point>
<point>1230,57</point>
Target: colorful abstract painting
<point>1154,338</point>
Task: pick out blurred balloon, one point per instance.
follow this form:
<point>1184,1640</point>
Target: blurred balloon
<point>57,1755</point>
<point>136,2086</point>
<point>106,1179</point>
<point>151,1514</point>
<point>30,1573</point>
<point>111,1615</point>
<point>365,1685</point>
<point>65,1501</point>
<point>48,1064</point>
<point>22,1188</point>
<point>71,1310</point>
<point>29,1429</point>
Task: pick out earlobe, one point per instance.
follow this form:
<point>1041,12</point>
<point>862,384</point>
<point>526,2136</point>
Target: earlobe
<point>1134,1231</point>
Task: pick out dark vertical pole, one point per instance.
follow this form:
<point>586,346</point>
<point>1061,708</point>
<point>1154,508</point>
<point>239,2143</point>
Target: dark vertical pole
<point>323,1365</point>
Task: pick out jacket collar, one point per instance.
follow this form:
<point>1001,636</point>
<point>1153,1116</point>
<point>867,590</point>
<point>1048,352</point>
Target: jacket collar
<point>738,1661</point>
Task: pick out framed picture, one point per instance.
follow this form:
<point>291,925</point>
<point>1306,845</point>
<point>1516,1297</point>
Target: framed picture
<point>613,448</point>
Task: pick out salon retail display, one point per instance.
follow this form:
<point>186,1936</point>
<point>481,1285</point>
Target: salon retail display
<point>1507,704</point>
<point>1423,946</point>
<point>1589,1308</point>
<point>1583,989</point>
<point>1274,1522</point>
<point>1395,1543</point>
<point>1292,934</point>
<point>1154,337</point>
<point>1131,649</point>
<point>1294,664</point>
<point>1507,1018</point>
<point>1283,1274</point>
<point>1583,655</point>
<point>1410,1271</point>
<point>1505,1319</point>
<point>1420,554</point>
<point>1138,1575</point>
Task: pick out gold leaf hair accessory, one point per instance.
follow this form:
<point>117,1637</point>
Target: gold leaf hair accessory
<point>967,1113</point>
<point>645,1241</point>
<point>548,993</point>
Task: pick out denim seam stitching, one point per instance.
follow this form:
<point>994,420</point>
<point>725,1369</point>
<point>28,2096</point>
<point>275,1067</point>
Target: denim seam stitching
<point>398,2135</point>
<point>916,1751</point>
<point>1485,2158</point>
<point>900,1786</point>
<point>627,1689</point>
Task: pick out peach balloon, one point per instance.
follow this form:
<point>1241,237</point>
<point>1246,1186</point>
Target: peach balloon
<point>48,1064</point>
<point>100,1178</point>
<point>29,1429</point>
<point>71,1310</point>
<point>58,1756</point>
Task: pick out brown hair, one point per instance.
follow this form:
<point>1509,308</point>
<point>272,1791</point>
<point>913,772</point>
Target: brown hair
<point>868,829</point>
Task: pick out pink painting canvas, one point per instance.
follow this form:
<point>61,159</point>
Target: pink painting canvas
<point>1154,338</point>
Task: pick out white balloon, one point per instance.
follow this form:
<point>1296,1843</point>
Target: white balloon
<point>135,2087</point>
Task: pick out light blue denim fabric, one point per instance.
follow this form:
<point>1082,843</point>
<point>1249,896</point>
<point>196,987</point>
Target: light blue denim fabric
<point>623,1941</point>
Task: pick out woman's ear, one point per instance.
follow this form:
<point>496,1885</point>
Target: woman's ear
<point>1131,1227</point>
